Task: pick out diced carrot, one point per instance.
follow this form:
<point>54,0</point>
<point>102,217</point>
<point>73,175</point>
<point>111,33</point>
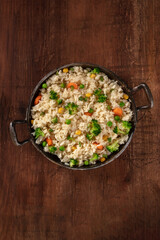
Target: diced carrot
<point>88,114</point>
<point>37,99</point>
<point>72,84</point>
<point>49,141</point>
<point>95,143</point>
<point>118,112</point>
<point>100,147</point>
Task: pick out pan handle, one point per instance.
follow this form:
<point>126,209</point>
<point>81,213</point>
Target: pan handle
<point>148,94</point>
<point>14,134</point>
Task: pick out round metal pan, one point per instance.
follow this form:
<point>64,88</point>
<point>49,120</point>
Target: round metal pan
<point>111,75</point>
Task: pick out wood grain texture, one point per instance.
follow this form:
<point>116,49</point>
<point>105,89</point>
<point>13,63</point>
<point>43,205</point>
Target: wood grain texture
<point>39,200</point>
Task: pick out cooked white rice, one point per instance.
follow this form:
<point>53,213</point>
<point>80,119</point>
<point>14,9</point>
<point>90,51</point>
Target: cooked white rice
<point>79,121</point>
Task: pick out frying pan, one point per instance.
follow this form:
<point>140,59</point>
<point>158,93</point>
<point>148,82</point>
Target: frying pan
<point>111,75</point>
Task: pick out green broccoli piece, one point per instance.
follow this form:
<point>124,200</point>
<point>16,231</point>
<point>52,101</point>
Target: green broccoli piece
<point>102,98</point>
<point>38,133</point>
<point>72,69</point>
<point>82,98</point>
<point>95,70</point>
<point>99,93</point>
<point>54,120</point>
<point>90,136</point>
<point>52,149</point>
<point>42,113</point>
<point>94,157</point>
<point>115,130</point>
<point>73,162</point>
<point>101,78</point>
<point>94,129</point>
<point>59,101</point>
<point>63,85</point>
<point>127,126</point>
<point>72,107</point>
<point>91,110</point>
<point>113,147</point>
<point>118,131</point>
<point>53,95</point>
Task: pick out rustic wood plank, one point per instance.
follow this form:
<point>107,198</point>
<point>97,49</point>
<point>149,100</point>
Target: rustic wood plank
<point>39,200</point>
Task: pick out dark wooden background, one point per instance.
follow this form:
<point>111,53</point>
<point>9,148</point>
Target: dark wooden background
<point>39,200</point>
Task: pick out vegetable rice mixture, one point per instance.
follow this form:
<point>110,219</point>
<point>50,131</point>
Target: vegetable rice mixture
<point>81,116</point>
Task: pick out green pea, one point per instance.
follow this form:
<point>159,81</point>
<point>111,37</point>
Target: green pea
<point>109,124</point>
<point>81,86</point>
<point>44,85</point>
<point>62,148</point>
<point>68,121</point>
<point>121,104</point>
<point>44,143</point>
<point>117,118</point>
<point>86,162</point>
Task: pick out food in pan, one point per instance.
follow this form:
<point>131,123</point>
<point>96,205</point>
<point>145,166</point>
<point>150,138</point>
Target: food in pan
<point>81,116</point>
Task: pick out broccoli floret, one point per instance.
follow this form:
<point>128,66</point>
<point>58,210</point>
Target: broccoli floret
<point>83,99</point>
<point>73,162</point>
<point>52,149</point>
<point>91,110</point>
<point>72,107</point>
<point>38,133</point>
<point>99,93</point>
<point>115,130</point>
<point>127,126</point>
<point>113,147</point>
<point>53,95</point>
<point>94,129</point>
<point>54,120</point>
<point>95,70</point>
<point>94,157</point>
<point>59,101</point>
<point>102,98</point>
<point>118,131</point>
<point>90,136</point>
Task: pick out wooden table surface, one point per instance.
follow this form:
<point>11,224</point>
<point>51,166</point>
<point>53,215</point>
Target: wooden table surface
<point>40,200</point>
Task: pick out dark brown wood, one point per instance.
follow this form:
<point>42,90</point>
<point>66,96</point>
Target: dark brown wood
<point>39,200</point>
